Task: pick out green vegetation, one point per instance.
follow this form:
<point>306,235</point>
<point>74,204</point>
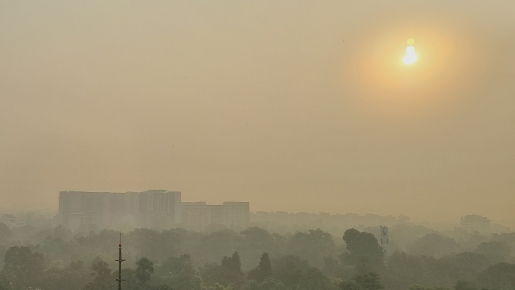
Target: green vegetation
<point>255,259</point>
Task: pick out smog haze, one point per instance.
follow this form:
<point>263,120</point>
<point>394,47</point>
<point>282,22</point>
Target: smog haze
<point>290,105</point>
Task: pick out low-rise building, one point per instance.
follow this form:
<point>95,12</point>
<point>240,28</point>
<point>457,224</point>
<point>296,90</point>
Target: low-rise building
<point>475,223</point>
<point>199,215</point>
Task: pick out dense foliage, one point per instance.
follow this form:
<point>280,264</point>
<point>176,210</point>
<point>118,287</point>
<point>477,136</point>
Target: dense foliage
<point>255,259</point>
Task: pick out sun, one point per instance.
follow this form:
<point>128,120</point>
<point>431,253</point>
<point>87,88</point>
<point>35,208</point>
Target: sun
<point>410,57</point>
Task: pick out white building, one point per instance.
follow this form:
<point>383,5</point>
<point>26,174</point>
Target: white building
<point>236,214</point>
<point>98,210</point>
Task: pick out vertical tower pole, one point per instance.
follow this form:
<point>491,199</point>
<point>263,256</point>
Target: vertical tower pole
<point>120,260</point>
<point>384,240</point>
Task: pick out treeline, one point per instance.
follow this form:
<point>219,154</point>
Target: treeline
<point>253,259</point>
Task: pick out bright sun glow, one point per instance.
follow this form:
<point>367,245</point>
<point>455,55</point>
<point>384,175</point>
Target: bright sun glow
<point>410,57</point>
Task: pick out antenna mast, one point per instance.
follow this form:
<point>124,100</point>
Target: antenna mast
<point>384,240</point>
<point>120,260</point>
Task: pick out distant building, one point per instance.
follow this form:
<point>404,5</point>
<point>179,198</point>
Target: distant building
<point>79,210</point>
<point>475,223</point>
<point>236,214</point>
<point>303,220</point>
<point>160,206</point>
<point>199,215</point>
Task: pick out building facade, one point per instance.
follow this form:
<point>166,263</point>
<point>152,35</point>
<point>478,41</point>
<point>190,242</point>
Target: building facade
<point>79,210</point>
<point>236,214</point>
<point>475,223</point>
<point>199,215</point>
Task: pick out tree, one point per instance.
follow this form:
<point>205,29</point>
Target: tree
<point>462,285</point>
<point>473,261</point>
<point>364,252</point>
<point>289,269</point>
<point>62,233</point>
<point>369,281</point>
<point>467,265</point>
<point>232,263</point>
<point>58,248</point>
<point>218,287</point>
<point>5,284</point>
<point>268,284</point>
<point>228,274</point>
<point>313,246</point>
<point>162,287</point>
<point>179,273</point>
<point>23,267</point>
<point>433,245</point>
<point>336,268</point>
<point>508,238</point>
<point>366,281</point>
<point>232,271</point>
<point>496,252</point>
<point>144,271</point>
<point>102,277</point>
<point>350,285</point>
<point>213,274</point>
<point>419,287</point>
<point>130,283</point>
<point>73,276</point>
<point>295,273</point>
<point>216,245</point>
<point>263,270</point>
<point>5,233</point>
<point>156,246</point>
<point>256,241</point>
<point>314,279</point>
<point>499,276</point>
<point>404,270</point>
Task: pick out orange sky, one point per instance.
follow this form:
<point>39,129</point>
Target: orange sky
<point>294,106</point>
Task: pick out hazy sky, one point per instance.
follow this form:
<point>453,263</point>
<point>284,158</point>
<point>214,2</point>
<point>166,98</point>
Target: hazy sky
<point>291,105</point>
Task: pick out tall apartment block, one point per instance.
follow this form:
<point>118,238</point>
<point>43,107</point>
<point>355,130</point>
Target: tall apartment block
<point>97,210</point>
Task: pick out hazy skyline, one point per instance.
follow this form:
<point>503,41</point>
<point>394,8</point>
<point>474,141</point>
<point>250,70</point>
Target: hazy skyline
<point>293,106</point>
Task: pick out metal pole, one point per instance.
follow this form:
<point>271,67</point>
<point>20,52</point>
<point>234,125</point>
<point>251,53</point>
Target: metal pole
<point>120,260</point>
